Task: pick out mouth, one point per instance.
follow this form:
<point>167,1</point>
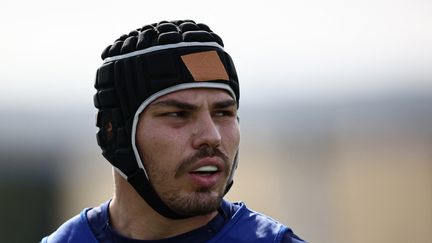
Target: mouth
<point>206,170</point>
<point>207,173</point>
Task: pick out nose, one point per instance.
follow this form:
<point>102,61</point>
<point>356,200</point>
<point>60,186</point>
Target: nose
<point>206,132</point>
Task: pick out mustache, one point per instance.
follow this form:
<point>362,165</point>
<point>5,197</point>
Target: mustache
<point>203,152</point>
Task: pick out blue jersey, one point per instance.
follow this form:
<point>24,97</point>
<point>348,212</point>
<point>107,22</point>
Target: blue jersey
<point>234,223</point>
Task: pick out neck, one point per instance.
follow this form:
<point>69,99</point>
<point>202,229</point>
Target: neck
<point>132,217</point>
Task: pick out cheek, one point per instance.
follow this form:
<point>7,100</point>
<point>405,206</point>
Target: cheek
<point>155,157</point>
<point>160,148</point>
<point>232,138</point>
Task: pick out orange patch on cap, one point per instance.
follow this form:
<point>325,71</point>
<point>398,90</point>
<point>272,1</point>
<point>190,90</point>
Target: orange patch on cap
<point>205,66</point>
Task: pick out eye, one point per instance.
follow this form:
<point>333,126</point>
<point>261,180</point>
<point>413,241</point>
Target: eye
<point>225,113</point>
<point>175,114</point>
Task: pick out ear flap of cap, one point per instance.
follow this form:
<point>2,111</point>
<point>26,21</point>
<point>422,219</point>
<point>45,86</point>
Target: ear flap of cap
<point>125,85</point>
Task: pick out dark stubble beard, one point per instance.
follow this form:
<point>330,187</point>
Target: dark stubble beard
<point>203,200</point>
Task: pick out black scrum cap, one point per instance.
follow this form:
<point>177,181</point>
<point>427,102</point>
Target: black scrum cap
<point>143,65</point>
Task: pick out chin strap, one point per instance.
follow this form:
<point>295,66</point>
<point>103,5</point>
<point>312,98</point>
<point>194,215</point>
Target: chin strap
<point>139,181</point>
<point>228,187</point>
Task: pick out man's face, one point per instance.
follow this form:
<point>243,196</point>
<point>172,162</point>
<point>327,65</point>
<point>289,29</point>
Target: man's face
<point>187,141</point>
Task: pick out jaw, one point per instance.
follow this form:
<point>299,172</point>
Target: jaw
<point>195,200</point>
<point>197,203</point>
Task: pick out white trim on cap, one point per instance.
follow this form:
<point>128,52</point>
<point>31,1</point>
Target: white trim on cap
<point>162,47</point>
<point>120,172</point>
<point>164,92</point>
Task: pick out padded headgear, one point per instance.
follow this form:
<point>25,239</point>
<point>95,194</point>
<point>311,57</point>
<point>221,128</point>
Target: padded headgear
<point>143,65</point>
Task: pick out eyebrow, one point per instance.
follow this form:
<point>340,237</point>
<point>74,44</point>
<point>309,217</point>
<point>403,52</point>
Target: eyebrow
<point>187,106</point>
<point>224,104</point>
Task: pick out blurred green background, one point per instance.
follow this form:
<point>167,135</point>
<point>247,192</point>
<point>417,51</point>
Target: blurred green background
<point>335,112</point>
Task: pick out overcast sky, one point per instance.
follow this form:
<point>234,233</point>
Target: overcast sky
<point>50,50</point>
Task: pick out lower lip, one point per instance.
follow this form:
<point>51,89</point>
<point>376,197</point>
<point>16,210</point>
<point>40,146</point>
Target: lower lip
<point>205,180</point>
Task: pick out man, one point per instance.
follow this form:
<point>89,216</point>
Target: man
<point>168,95</point>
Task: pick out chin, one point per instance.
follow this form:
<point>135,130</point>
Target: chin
<point>200,202</point>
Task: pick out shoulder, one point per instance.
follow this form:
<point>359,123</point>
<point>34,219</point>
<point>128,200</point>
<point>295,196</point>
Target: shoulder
<point>75,229</point>
<point>261,223</point>
<point>246,225</point>
<point>282,232</point>
<point>290,237</point>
